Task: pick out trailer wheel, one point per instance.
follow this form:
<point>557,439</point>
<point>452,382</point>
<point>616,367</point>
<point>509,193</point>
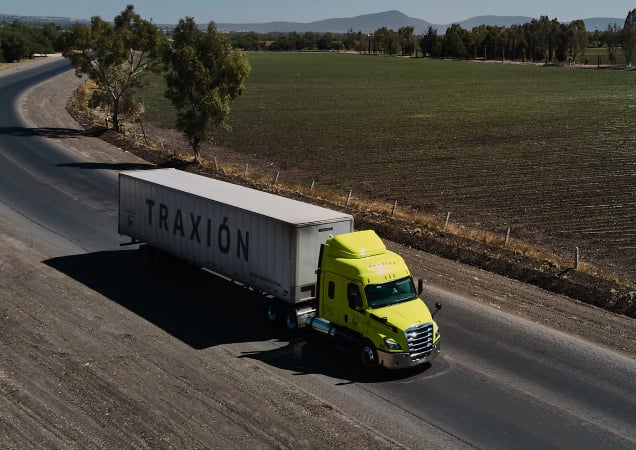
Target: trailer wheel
<point>272,312</point>
<point>367,354</point>
<point>291,320</point>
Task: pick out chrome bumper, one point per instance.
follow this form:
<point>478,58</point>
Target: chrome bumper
<point>406,360</point>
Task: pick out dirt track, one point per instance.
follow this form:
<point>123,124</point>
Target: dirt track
<point>73,375</point>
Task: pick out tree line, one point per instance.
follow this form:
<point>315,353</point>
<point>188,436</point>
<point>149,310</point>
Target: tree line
<point>19,41</point>
<point>540,40</point>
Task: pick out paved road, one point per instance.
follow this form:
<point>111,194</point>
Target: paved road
<point>502,382</point>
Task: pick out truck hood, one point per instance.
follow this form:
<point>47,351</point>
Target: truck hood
<point>404,315</point>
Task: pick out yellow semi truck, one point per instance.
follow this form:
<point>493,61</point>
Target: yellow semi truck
<point>367,299</point>
<point>313,269</point>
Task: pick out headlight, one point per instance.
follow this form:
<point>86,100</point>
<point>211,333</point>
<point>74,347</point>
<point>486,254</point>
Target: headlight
<point>391,344</point>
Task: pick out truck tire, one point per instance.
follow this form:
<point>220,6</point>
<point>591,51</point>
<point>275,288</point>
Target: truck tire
<point>367,355</point>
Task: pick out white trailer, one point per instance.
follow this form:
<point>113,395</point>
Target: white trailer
<point>265,241</point>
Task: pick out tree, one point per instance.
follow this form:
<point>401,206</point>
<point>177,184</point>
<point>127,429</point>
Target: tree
<point>612,40</point>
<point>115,57</point>
<point>519,42</point>
<point>204,74</point>
<point>407,40</point>
<point>14,42</point>
<point>485,41</point>
<point>385,40</point>
<point>326,41</point>
<point>429,42</point>
<point>629,36</point>
<point>577,39</point>
<point>454,42</point>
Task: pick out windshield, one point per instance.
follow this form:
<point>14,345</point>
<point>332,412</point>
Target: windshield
<point>385,294</point>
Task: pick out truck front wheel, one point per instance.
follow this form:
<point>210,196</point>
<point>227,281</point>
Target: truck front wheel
<point>367,354</point>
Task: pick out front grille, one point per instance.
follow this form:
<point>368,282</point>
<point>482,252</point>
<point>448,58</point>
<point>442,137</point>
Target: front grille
<point>420,340</point>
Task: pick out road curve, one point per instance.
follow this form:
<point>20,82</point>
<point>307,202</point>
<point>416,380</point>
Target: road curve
<point>40,177</point>
<point>502,382</point>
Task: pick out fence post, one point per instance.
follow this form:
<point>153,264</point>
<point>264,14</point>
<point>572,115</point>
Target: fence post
<point>349,196</point>
<point>507,237</point>
<point>246,167</point>
<point>447,218</point>
<point>577,258</point>
<point>394,208</point>
<point>216,164</point>
<point>311,188</point>
<point>276,179</point>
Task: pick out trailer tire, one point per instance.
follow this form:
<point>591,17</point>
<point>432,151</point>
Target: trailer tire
<point>273,312</point>
<point>291,320</point>
<point>367,355</point>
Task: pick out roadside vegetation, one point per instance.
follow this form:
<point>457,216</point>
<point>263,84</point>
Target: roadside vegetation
<point>203,73</point>
<point>19,41</point>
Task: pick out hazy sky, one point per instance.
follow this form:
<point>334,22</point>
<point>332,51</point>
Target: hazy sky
<point>257,11</point>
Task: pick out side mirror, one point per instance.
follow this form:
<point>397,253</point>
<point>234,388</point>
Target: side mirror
<point>420,286</point>
<point>438,306</point>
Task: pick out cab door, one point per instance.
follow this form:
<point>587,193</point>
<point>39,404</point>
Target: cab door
<point>355,316</point>
<point>328,298</point>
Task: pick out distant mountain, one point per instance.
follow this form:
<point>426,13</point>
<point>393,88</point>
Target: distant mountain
<point>366,23</point>
<point>493,21</point>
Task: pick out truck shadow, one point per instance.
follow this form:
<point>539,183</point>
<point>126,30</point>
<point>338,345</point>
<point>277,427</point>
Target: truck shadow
<point>307,354</point>
<point>193,305</point>
<point>204,310</point>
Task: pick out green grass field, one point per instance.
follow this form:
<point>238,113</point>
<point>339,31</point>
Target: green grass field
<point>547,151</point>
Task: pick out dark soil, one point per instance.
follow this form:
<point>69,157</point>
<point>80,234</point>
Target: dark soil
<point>601,291</point>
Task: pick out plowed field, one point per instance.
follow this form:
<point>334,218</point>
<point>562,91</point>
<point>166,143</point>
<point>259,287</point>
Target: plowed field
<point>545,151</point>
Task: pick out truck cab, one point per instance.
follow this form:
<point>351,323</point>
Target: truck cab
<point>367,297</point>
